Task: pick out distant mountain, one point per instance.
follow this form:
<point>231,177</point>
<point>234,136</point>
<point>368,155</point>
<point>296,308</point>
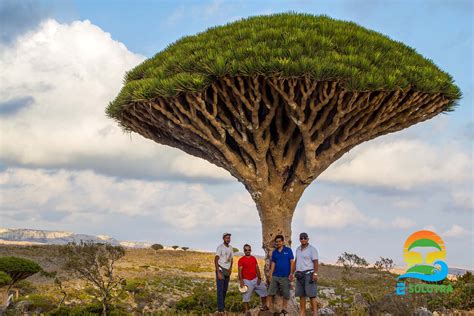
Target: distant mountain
<point>46,237</point>
<point>459,271</point>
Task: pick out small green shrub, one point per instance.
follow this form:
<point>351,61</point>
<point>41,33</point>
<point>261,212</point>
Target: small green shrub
<point>86,310</point>
<point>134,286</point>
<point>203,300</point>
<point>39,303</point>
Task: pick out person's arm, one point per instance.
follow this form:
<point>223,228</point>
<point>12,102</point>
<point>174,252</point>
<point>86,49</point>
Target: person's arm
<point>292,270</point>
<point>216,264</point>
<point>315,265</point>
<point>315,268</point>
<point>240,275</point>
<point>259,276</point>
<point>292,266</point>
<point>272,268</point>
<point>231,263</point>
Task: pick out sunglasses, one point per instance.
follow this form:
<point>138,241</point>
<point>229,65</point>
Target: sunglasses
<point>303,238</point>
<point>247,249</point>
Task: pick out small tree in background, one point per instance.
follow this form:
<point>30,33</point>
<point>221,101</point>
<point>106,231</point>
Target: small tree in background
<point>185,248</point>
<point>157,247</point>
<point>234,250</point>
<point>175,247</point>
<point>18,269</point>
<point>95,263</point>
<point>384,264</point>
<point>350,261</point>
<point>5,280</point>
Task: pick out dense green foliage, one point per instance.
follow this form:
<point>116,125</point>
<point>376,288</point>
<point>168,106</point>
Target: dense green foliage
<point>462,296</point>
<point>286,44</point>
<point>92,309</point>
<point>18,268</point>
<point>5,279</point>
<point>203,300</point>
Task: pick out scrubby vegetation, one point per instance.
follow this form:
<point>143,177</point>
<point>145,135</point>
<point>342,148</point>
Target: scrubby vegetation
<point>95,264</point>
<point>183,282</point>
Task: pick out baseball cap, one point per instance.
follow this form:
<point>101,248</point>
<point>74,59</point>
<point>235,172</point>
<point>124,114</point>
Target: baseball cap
<point>225,234</point>
<point>303,235</point>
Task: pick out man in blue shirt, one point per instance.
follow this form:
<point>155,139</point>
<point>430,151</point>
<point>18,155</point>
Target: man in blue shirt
<point>281,271</point>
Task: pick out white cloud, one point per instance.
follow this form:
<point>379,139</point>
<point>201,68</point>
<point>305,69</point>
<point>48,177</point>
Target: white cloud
<point>464,199</point>
<point>401,163</point>
<point>85,195</point>
<point>69,73</point>
<point>456,231</point>
<point>336,213</point>
<point>403,223</point>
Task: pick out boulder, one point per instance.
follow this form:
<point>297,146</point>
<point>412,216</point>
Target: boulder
<point>326,311</point>
<point>422,311</point>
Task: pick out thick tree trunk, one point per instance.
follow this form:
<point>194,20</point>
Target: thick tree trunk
<point>3,299</point>
<point>276,210</point>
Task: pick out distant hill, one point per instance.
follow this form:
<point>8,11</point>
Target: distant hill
<point>46,237</point>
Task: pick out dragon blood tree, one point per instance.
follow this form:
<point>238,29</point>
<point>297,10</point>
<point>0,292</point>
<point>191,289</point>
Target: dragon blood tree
<point>276,99</point>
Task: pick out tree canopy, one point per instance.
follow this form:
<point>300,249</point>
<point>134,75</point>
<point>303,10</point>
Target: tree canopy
<point>285,45</point>
<point>18,268</point>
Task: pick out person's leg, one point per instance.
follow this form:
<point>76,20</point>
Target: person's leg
<point>314,306</point>
<point>302,305</point>
<point>270,300</point>
<point>311,291</point>
<point>225,287</point>
<point>248,295</point>
<point>272,290</point>
<point>246,307</point>
<point>284,303</point>
<point>220,294</point>
<point>299,292</point>
<point>261,291</point>
<point>285,287</point>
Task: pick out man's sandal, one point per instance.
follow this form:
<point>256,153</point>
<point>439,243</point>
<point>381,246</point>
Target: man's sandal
<point>284,312</point>
<point>264,308</point>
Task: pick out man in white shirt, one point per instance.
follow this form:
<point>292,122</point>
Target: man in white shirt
<point>306,274</point>
<point>223,262</point>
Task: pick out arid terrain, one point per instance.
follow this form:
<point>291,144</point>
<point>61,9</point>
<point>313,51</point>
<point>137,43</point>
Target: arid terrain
<point>177,281</point>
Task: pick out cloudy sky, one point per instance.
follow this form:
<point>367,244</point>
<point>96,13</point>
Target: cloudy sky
<point>65,166</point>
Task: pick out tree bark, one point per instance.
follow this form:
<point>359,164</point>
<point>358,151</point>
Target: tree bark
<point>276,208</point>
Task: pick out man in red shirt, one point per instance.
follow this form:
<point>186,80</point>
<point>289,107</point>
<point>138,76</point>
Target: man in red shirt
<point>249,275</point>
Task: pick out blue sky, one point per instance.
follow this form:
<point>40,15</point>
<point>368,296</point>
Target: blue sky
<point>66,167</point>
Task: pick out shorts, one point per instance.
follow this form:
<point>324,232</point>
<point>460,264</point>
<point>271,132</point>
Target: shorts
<point>260,289</point>
<point>282,284</point>
<point>306,287</point>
